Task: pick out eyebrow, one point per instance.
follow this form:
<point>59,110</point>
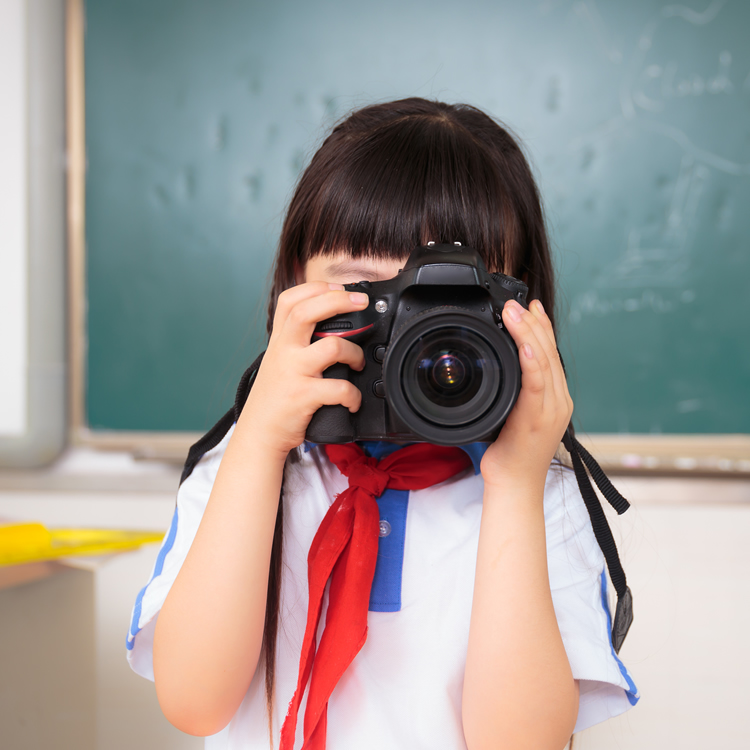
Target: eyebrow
<point>347,267</point>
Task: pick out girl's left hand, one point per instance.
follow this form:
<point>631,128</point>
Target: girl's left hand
<point>532,433</point>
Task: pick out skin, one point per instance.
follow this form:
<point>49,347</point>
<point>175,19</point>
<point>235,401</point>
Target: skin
<point>518,691</point>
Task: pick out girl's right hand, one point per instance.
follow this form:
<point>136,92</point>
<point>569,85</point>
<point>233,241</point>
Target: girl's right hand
<point>289,387</point>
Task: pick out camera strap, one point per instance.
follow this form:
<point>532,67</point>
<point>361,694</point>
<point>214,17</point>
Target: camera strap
<point>583,461</point>
<point>216,434</point>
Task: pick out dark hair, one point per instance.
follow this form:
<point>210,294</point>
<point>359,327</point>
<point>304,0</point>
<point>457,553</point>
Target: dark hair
<point>394,176</point>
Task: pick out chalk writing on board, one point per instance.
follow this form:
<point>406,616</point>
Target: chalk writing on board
<point>597,303</point>
<point>654,79</point>
<point>658,83</point>
<point>654,268</point>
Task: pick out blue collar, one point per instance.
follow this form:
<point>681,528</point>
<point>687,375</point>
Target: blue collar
<point>379,449</point>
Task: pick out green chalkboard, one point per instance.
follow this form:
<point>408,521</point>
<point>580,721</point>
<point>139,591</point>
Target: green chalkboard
<point>636,115</point>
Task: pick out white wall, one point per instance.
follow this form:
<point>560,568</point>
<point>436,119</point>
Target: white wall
<point>685,551</point>
<point>13,218</point>
<point>32,232</point>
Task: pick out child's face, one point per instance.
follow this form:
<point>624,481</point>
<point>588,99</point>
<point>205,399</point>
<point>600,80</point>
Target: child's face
<point>341,268</point>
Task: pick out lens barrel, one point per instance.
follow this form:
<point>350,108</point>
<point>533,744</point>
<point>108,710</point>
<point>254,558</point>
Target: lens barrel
<point>451,376</point>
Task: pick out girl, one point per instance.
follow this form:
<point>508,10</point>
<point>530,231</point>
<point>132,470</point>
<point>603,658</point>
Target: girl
<point>488,624</point>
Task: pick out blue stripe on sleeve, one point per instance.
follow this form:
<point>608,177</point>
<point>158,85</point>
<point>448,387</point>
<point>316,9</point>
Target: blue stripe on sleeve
<point>166,547</point>
<point>632,691</point>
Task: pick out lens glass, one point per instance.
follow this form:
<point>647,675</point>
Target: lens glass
<point>451,375</point>
<point>448,376</point>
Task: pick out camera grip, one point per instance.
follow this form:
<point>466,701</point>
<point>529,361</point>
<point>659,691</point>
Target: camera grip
<point>332,424</point>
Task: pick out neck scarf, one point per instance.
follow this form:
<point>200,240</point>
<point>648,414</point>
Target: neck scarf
<point>345,549</point>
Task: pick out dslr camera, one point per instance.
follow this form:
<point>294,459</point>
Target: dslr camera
<point>439,365</point>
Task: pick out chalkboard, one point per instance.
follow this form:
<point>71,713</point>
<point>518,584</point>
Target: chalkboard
<point>636,116</point>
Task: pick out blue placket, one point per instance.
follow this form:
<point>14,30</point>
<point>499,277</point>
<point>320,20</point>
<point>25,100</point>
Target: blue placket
<point>385,595</point>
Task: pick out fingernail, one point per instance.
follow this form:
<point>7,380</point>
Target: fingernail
<point>540,306</point>
<point>514,310</point>
<point>336,287</point>
<point>358,298</point>
<point>528,351</point>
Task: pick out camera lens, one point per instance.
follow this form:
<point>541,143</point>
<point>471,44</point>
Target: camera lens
<point>451,376</point>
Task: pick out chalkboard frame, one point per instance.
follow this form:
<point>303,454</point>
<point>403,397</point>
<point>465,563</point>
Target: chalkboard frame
<point>633,454</point>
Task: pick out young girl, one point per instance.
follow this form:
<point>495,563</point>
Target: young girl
<point>488,624</point>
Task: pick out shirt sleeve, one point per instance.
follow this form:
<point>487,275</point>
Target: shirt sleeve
<point>192,498</point>
<point>578,582</point>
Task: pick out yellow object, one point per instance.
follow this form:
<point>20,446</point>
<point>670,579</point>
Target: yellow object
<point>32,542</point>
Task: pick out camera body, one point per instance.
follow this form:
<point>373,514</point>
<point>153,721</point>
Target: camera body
<point>440,366</point>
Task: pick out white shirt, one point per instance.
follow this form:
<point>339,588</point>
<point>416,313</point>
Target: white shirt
<point>404,687</point>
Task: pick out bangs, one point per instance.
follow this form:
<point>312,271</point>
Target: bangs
<point>397,175</point>
<point>408,182</point>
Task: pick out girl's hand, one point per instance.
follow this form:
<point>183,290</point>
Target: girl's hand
<point>531,435</point>
<point>289,387</point>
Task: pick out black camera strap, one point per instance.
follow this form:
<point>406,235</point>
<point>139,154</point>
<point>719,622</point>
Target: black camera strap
<point>216,434</point>
<point>583,460</point>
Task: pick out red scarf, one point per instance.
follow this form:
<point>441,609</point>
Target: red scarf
<point>345,549</point>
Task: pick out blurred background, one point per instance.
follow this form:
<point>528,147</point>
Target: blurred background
<point>148,151</point>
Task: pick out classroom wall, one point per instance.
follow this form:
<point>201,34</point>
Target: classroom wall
<point>65,682</point>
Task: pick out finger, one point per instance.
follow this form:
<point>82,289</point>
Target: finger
<point>330,350</point>
<point>550,343</point>
<point>540,315</point>
<point>303,317</point>
<point>533,386</point>
<point>560,378</point>
<point>522,327</point>
<point>332,391</point>
<point>541,326</point>
<point>295,294</point>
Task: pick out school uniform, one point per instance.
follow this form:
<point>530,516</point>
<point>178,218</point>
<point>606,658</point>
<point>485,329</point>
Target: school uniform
<point>404,687</point>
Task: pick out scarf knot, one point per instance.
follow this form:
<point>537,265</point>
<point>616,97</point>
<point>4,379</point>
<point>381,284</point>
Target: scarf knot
<point>365,474</point>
